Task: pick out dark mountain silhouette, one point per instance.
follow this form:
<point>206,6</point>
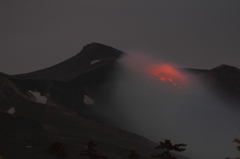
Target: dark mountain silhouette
<point>75,75</point>
<point>223,80</point>
<point>66,117</point>
<point>227,77</point>
<point>93,57</point>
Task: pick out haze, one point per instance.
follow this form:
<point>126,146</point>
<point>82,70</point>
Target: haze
<point>158,110</point>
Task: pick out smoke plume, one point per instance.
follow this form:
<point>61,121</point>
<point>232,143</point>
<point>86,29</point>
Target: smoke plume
<point>154,99</point>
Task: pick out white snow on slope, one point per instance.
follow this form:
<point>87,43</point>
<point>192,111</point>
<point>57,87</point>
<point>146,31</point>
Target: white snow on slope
<point>87,100</point>
<point>39,97</point>
<point>11,111</point>
<point>95,61</point>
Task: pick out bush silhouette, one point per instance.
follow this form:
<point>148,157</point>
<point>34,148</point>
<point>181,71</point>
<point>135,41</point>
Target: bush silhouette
<point>133,155</point>
<point>91,152</point>
<point>168,146</point>
<point>238,147</point>
<point>58,149</point>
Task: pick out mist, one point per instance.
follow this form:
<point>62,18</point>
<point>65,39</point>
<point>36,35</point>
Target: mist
<point>159,110</point>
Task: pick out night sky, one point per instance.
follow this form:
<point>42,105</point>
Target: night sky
<point>193,34</point>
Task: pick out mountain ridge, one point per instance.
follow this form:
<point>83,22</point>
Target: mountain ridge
<point>65,117</point>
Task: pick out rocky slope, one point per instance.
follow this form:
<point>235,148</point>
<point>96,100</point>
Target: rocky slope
<point>66,116</point>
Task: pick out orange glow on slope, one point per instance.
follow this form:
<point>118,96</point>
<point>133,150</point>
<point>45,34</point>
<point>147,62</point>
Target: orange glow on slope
<point>165,73</point>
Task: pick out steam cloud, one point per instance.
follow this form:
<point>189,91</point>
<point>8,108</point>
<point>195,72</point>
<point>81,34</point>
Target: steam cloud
<point>158,110</point>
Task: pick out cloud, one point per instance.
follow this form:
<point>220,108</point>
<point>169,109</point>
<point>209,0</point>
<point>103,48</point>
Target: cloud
<point>159,110</point>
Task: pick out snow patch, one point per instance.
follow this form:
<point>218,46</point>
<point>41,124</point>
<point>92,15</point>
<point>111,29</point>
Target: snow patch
<point>95,61</point>
<point>87,100</point>
<point>32,97</point>
<point>11,111</point>
<point>39,97</point>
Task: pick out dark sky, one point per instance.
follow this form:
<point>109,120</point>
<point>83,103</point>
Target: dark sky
<point>197,34</point>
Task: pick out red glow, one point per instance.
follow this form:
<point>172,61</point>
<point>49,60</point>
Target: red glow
<point>163,79</point>
<point>165,73</point>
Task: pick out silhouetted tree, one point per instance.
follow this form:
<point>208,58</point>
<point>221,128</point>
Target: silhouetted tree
<point>238,147</point>
<point>168,146</point>
<point>58,149</point>
<point>91,152</point>
<point>133,155</point>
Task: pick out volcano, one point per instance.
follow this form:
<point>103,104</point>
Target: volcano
<point>29,127</point>
<point>78,100</point>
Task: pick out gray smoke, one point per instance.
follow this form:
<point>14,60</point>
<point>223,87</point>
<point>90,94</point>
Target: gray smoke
<point>158,111</point>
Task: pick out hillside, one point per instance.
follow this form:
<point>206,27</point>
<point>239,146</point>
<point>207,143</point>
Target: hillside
<point>66,117</point>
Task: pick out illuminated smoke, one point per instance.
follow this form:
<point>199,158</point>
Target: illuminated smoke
<point>164,73</point>
<point>141,98</point>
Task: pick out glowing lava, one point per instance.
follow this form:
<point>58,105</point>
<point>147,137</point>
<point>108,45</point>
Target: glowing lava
<point>164,73</point>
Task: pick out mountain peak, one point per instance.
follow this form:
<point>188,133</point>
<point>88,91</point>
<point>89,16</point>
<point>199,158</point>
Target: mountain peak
<point>224,76</point>
<point>94,46</point>
<point>77,65</point>
<point>226,68</point>
<point>223,71</point>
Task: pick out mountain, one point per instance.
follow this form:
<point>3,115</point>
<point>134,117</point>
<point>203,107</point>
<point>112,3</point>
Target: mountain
<point>224,76</point>
<point>28,128</point>
<point>223,80</point>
